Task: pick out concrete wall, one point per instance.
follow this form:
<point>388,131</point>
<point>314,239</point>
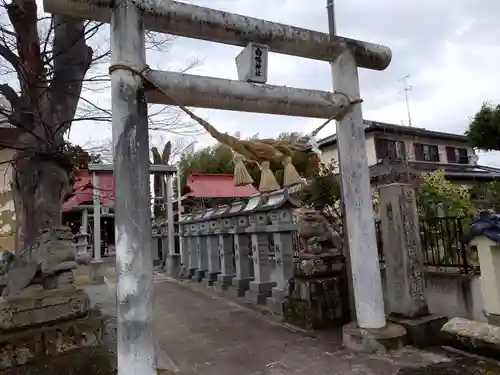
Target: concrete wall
<point>331,151</point>
<point>453,295</point>
<point>7,209</point>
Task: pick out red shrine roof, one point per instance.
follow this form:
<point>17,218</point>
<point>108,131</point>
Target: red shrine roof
<point>82,190</point>
<point>215,185</point>
<point>200,185</point>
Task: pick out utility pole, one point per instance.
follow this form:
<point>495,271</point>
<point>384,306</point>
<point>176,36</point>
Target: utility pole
<point>332,27</point>
<point>407,89</point>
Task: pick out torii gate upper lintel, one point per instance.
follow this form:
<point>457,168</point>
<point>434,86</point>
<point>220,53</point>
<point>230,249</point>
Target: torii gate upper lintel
<point>213,25</point>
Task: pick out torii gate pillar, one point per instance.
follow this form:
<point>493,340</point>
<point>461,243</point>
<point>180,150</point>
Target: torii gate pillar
<point>134,261</point>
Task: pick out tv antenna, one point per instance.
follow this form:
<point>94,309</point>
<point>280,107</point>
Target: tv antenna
<point>407,89</point>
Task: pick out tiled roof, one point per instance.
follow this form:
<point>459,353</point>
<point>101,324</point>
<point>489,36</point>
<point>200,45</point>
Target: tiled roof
<point>83,190</point>
<point>208,185</point>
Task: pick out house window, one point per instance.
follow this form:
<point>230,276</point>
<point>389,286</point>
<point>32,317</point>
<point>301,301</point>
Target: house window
<point>457,155</point>
<point>426,152</point>
<point>390,149</point>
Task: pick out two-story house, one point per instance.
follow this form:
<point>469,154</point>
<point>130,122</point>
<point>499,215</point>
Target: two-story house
<point>421,149</point>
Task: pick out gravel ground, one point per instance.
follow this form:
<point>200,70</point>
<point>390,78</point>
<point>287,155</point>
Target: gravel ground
<point>460,366</point>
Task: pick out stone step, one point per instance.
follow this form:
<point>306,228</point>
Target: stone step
<point>473,337</point>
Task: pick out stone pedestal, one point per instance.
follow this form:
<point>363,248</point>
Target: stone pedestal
<point>47,324</point>
<point>380,340</point>
<point>240,286</point>
<point>96,272</point>
<point>199,275</point>
<point>276,303</point>
<point>258,292</point>
<point>90,274</point>
<point>224,282</point>
<point>191,273</point>
<point>421,332</point>
<point>173,265</point>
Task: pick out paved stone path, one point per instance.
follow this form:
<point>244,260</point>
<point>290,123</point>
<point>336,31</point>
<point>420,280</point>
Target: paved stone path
<point>207,335</point>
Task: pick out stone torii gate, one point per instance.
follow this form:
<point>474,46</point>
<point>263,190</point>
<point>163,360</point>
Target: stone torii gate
<point>131,84</point>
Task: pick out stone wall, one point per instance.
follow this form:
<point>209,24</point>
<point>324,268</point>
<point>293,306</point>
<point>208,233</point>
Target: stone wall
<point>452,295</point>
<point>7,209</point>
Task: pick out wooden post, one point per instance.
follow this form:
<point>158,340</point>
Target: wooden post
<point>135,343</point>
<point>356,189</point>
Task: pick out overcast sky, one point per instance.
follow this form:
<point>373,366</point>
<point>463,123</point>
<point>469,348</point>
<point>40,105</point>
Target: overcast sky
<point>450,49</point>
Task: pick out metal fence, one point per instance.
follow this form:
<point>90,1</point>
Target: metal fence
<point>441,246</point>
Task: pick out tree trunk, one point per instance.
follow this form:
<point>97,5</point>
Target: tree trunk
<point>40,185</point>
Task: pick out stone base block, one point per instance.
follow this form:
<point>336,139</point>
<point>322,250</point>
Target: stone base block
<point>36,345</point>
<point>259,292</point>
<point>240,286</point>
<point>27,311</point>
<point>173,265</point>
<point>473,337</point>
<point>259,298</point>
<point>212,276</point>
<point>421,332</point>
<point>391,337</point>
<point>208,283</point>
<point>276,303</point>
<point>261,287</point>
<point>222,287</point>
<point>210,279</point>
<point>191,272</point>
<point>184,273</point>
<point>89,274</point>
<point>224,282</point>
<point>199,275</point>
<point>96,272</point>
<point>493,319</point>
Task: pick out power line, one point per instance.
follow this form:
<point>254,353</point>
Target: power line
<point>407,89</point>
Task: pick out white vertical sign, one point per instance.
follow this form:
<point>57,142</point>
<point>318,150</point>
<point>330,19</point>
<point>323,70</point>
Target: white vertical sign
<point>252,63</point>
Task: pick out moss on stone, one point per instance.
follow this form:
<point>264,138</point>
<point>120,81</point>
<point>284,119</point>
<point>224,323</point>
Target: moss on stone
<point>87,361</point>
